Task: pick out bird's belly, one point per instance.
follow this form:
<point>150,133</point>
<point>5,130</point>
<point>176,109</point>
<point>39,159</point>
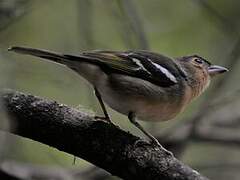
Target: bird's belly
<point>157,112</point>
<point>145,109</point>
<point>146,100</point>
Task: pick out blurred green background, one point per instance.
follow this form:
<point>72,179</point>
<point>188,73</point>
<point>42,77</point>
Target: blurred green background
<point>174,28</point>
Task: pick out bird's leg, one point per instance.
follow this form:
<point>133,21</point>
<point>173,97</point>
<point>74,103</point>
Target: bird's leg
<point>74,160</point>
<point>106,116</point>
<point>132,118</point>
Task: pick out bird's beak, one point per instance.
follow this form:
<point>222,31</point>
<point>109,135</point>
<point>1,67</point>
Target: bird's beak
<point>214,70</point>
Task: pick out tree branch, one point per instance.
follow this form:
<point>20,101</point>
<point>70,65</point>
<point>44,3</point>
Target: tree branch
<point>98,142</point>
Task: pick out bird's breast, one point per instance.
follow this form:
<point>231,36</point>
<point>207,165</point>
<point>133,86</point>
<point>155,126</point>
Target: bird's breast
<point>158,112</point>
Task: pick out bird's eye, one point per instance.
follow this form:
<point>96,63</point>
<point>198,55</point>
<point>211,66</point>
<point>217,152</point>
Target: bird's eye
<point>197,60</point>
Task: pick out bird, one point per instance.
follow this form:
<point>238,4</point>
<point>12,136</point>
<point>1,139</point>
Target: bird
<point>140,84</point>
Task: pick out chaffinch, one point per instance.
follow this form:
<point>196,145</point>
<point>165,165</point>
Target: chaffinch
<point>139,84</point>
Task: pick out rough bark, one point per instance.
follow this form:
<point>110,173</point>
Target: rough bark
<point>98,142</point>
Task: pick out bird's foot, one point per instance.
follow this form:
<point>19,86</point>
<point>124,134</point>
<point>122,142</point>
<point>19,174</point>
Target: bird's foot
<point>156,143</point>
<point>140,142</point>
<point>101,118</point>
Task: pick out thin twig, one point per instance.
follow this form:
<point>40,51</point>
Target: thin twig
<point>132,23</point>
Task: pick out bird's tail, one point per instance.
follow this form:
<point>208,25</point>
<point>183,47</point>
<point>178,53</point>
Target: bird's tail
<point>56,57</point>
<point>67,60</point>
<point>73,62</point>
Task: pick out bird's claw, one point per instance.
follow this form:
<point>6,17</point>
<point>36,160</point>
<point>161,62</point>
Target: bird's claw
<point>157,144</point>
<point>101,118</point>
<point>140,142</point>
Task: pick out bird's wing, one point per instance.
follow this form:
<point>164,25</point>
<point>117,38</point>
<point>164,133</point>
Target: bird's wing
<point>142,64</point>
<point>149,66</point>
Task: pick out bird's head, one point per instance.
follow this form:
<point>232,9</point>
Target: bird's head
<point>199,72</point>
